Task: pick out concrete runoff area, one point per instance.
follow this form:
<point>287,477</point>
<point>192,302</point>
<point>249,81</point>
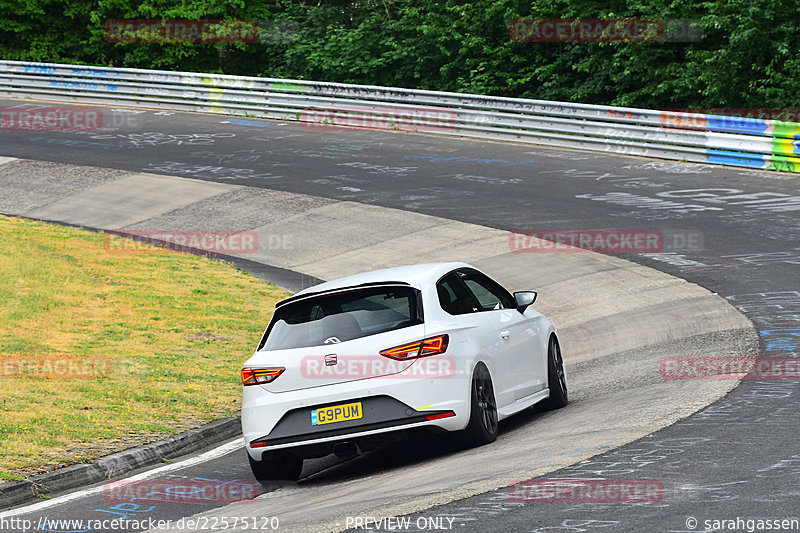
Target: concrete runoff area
<point>119,203</point>
<point>616,321</point>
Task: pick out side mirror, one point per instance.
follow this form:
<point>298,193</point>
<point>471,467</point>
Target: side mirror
<point>524,299</point>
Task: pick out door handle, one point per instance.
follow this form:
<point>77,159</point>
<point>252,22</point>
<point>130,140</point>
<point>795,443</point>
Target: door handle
<point>505,334</point>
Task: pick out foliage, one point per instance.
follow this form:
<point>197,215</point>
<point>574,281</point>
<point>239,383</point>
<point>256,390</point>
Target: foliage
<point>748,56</point>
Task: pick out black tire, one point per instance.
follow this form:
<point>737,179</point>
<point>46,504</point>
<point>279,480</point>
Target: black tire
<point>482,426</point>
<point>556,378</point>
<point>276,467</point>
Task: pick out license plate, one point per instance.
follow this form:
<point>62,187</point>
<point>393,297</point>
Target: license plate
<point>336,413</point>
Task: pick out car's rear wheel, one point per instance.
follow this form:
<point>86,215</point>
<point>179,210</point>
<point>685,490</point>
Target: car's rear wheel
<point>482,426</point>
<point>276,467</point>
<point>556,377</point>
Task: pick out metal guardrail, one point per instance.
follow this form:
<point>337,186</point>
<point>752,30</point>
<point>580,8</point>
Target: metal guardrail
<point>695,137</point>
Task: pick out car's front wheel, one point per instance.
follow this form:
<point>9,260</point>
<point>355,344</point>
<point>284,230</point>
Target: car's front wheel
<point>276,467</point>
<point>482,426</point>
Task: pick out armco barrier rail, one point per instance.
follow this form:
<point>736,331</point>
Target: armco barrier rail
<point>702,138</point>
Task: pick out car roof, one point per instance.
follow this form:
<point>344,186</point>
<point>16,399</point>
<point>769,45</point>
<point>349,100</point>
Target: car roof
<point>414,275</point>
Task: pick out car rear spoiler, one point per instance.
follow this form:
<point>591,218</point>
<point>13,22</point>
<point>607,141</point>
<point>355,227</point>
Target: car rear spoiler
<point>337,290</point>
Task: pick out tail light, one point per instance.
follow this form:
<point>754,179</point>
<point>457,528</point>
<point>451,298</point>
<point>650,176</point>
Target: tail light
<point>260,376</point>
<point>423,348</point>
<point>437,416</point>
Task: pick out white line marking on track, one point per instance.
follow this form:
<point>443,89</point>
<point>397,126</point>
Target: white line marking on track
<point>224,449</point>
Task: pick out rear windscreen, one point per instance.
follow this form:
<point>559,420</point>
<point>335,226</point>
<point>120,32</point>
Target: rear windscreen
<point>340,317</point>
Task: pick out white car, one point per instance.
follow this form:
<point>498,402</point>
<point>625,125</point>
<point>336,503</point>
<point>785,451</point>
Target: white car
<point>349,364</point>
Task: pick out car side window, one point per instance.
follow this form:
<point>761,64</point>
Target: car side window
<point>489,294</point>
<point>454,297</point>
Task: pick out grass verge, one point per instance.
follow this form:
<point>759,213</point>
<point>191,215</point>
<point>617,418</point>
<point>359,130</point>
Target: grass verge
<point>100,351</point>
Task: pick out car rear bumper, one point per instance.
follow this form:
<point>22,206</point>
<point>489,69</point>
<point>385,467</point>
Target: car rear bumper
<point>392,408</point>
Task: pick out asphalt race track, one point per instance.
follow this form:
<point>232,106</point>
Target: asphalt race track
<point>732,231</point>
